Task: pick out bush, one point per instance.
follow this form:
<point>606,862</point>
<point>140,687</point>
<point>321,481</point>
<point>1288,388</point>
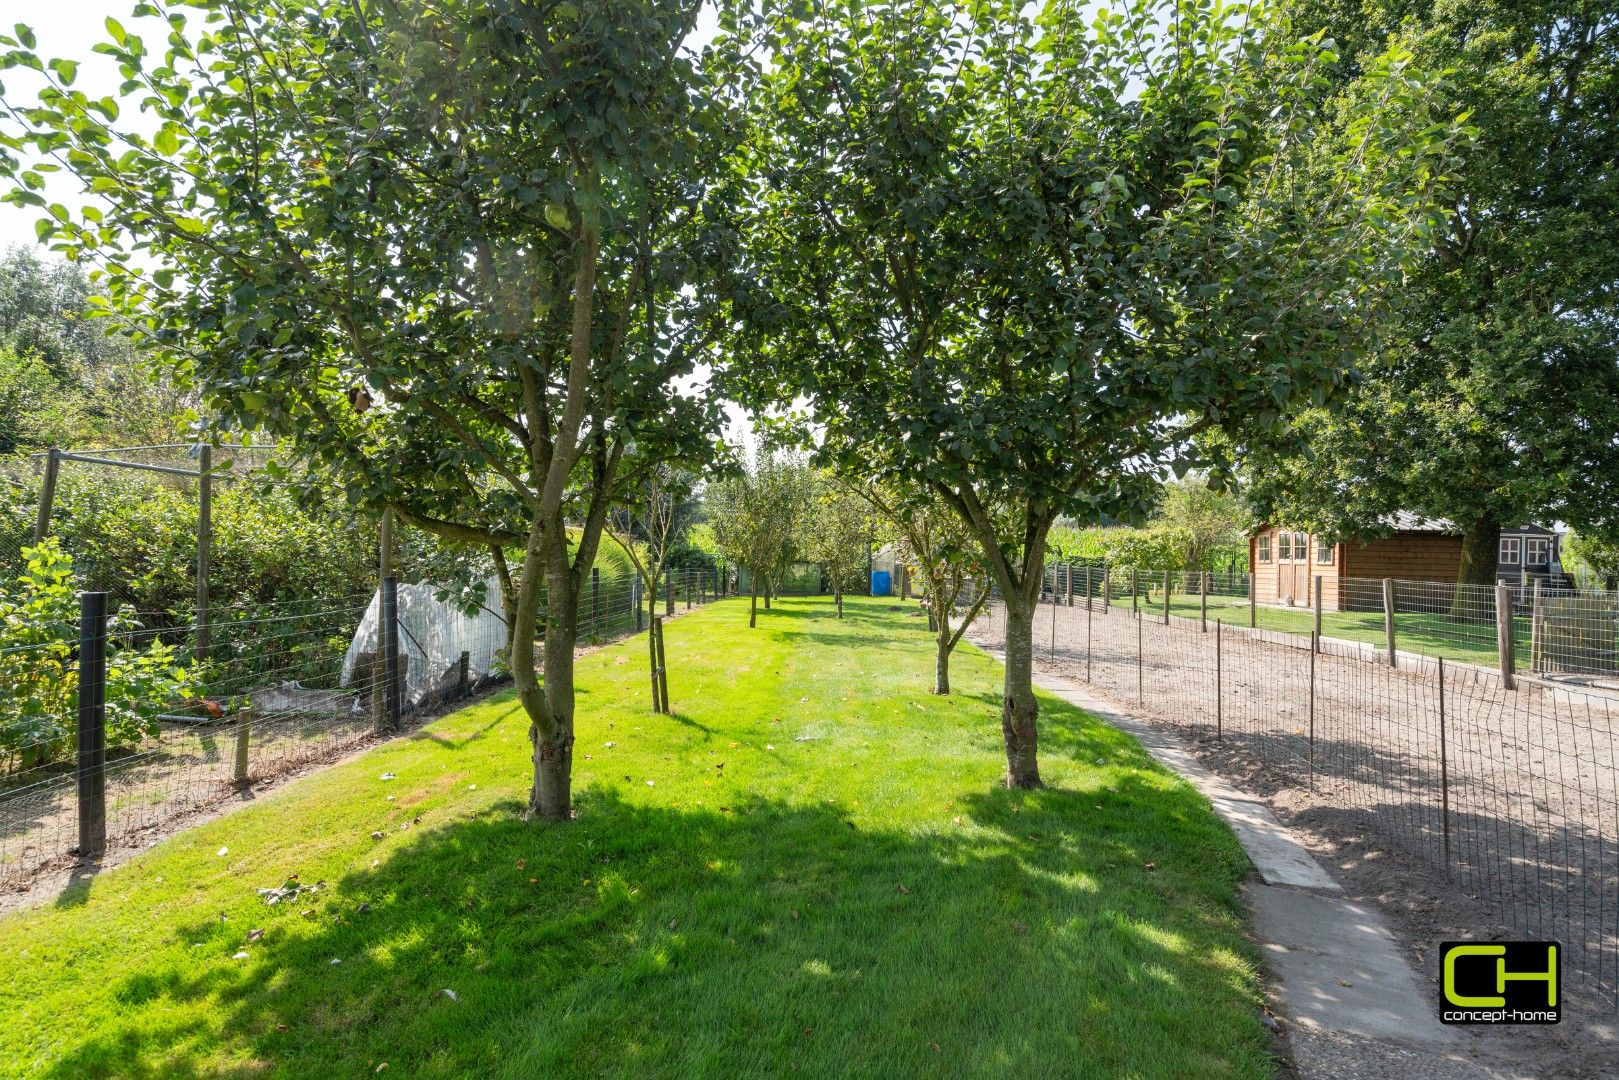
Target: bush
<point>39,672</point>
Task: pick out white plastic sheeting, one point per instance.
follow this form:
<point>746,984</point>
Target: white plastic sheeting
<point>432,636</point>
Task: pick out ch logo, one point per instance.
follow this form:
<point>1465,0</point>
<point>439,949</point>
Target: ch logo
<point>1512,982</point>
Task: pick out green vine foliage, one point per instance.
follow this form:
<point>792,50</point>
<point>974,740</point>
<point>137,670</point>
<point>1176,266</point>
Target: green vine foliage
<point>39,666</point>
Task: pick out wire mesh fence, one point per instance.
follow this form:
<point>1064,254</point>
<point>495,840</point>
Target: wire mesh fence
<point>1506,791</point>
<point>97,756</point>
<point>1558,632</point>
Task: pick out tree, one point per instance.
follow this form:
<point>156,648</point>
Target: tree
<point>649,529</point>
<point>755,514</point>
<point>1028,257</point>
<point>1594,558</point>
<point>1213,522</point>
<point>1495,397</point>
<point>947,553</point>
<point>452,254</point>
<point>837,534</point>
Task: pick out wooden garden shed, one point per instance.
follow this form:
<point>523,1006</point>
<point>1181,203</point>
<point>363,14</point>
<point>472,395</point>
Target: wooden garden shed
<point>1285,562</point>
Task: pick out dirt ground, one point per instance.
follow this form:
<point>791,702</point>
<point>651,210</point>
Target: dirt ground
<point>1349,755</point>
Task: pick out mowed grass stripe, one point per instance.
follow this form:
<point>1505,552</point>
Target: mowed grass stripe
<point>822,878</point>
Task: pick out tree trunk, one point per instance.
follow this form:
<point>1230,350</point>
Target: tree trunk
<point>941,663</point>
<point>837,591</point>
<point>1480,547</point>
<point>652,643</point>
<point>549,705</point>
<point>1019,710</point>
<point>753,601</point>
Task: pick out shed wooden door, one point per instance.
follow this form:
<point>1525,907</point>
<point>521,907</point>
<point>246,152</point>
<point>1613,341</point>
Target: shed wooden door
<point>1293,568</point>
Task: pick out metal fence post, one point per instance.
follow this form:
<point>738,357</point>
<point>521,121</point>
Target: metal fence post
<point>244,733</point>
<point>1087,624</point>
<point>1316,641</point>
<point>1068,581</point>
<point>1166,597</point>
<point>1054,606</point>
<point>392,690</point>
<point>1135,592</point>
<point>1203,601</point>
<point>47,495</point>
<point>1444,769</point>
<point>687,575</point>
<point>1140,697</point>
<point>1388,619</point>
<point>1107,591</point>
<point>92,761</point>
<point>1253,604</point>
<point>1504,645</point>
<point>1219,685</point>
<point>1315,647</point>
<point>205,543</point>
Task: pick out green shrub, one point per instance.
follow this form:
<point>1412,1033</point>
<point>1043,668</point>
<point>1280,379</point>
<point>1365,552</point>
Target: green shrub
<point>39,612</point>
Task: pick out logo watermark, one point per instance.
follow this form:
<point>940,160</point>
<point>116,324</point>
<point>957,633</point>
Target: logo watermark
<point>1500,982</point>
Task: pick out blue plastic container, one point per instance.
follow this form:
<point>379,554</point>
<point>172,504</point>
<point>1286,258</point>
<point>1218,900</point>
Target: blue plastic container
<point>881,583</point>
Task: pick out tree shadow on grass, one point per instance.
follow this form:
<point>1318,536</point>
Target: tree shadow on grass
<point>1033,933</point>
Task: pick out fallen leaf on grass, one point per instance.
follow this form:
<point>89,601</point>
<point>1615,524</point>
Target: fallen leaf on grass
<point>903,889</point>
<point>451,994</point>
<point>795,916</point>
<point>1022,928</point>
<point>521,863</point>
<point>377,835</point>
<point>240,956</point>
<point>935,1047</point>
<point>254,935</point>
<point>386,776</point>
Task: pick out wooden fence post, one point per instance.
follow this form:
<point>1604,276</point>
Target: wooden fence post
<point>1537,635</point>
<point>244,733</point>
<point>1166,597</point>
<point>1388,619</point>
<point>1203,601</point>
<point>205,543</point>
<point>1253,604</point>
<point>47,495</point>
<point>1316,641</point>
<point>1503,635</point>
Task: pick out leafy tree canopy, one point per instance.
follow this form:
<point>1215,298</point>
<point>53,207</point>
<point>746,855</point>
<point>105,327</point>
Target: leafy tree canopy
<point>1495,397</point>
<point>1020,255</point>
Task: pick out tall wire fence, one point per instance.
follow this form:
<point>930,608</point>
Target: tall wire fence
<point>1505,787</point>
<point>1538,629</point>
<point>111,732</point>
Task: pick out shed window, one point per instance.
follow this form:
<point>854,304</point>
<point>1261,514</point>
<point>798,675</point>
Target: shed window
<point>1537,551</point>
<point>1263,546</point>
<point>1284,545</point>
<point>1511,549</point>
<point>1301,546</point>
<point>1323,551</point>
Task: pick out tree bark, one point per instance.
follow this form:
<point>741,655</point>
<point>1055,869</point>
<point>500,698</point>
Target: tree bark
<point>548,704</point>
<point>941,663</point>
<point>1019,710</point>
<point>753,601</point>
<point>1480,547</point>
<point>837,590</point>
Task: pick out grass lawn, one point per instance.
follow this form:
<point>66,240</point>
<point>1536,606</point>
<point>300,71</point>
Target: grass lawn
<point>809,869</point>
<point>1417,632</point>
